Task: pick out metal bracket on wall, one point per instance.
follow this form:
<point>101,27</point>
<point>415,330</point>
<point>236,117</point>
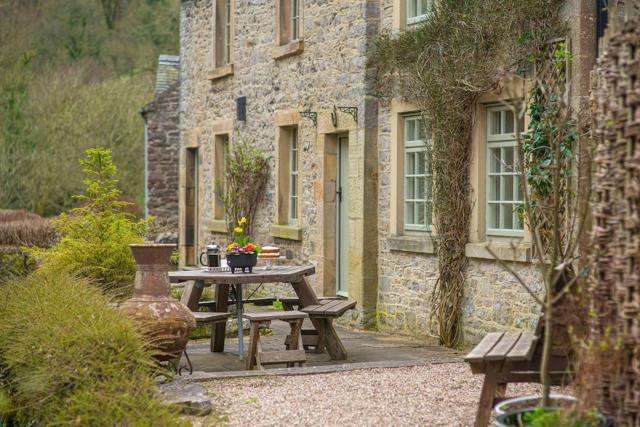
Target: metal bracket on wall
<point>353,111</point>
<point>312,115</point>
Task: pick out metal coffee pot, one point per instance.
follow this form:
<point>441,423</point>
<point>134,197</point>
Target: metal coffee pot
<point>213,255</point>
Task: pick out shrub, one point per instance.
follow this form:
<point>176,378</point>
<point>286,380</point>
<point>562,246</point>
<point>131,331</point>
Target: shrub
<point>96,236</point>
<point>67,357</point>
<point>18,229</point>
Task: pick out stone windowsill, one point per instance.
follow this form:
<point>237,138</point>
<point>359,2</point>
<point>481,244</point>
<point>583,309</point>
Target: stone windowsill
<point>221,72</point>
<point>418,244</point>
<point>520,252</point>
<point>288,232</point>
<point>217,226</point>
<point>289,49</point>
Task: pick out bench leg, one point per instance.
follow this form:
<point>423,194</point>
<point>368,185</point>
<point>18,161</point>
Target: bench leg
<point>296,338</point>
<point>328,338</point>
<point>253,346</point>
<point>487,395</point>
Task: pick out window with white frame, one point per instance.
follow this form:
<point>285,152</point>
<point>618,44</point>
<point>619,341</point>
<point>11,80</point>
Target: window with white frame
<point>293,175</point>
<point>295,17</point>
<point>504,191</point>
<point>223,32</point>
<point>227,32</point>
<point>418,10</point>
<point>418,195</point>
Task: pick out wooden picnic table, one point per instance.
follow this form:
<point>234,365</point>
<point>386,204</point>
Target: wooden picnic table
<point>224,281</point>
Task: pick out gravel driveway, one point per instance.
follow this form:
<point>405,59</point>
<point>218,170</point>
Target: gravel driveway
<point>434,395</point>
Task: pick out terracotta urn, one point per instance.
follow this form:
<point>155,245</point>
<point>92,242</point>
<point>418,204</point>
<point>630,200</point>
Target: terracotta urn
<point>164,319</point>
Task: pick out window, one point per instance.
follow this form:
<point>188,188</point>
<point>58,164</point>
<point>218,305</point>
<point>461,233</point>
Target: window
<point>418,195</point>
<point>223,33</point>
<point>418,10</point>
<point>504,193</point>
<point>288,21</point>
<point>221,146</point>
<point>293,175</point>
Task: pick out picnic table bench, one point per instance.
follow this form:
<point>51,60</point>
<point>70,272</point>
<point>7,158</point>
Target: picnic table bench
<point>511,357</point>
<point>296,276</point>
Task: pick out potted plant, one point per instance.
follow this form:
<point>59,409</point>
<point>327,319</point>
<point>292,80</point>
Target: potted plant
<point>557,224</point>
<point>241,253</point>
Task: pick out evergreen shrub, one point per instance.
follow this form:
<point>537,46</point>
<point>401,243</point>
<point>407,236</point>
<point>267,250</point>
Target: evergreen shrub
<point>68,358</point>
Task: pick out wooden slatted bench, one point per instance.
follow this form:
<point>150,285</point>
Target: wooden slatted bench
<point>210,318</point>
<point>288,303</point>
<point>509,357</point>
<point>257,358</point>
<point>328,308</point>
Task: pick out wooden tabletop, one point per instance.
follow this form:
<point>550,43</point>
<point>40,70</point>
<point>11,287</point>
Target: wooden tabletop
<point>276,274</point>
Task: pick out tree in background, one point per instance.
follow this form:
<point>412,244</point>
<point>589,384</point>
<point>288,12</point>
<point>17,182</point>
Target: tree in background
<point>69,82</point>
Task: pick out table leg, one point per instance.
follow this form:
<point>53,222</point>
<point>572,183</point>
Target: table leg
<point>222,296</point>
<point>192,293</point>
<point>324,326</point>
<point>239,312</point>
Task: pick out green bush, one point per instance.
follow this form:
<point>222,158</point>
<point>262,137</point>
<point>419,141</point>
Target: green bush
<point>96,236</point>
<point>68,358</point>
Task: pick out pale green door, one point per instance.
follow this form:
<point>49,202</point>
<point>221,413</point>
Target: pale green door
<point>342,241</point>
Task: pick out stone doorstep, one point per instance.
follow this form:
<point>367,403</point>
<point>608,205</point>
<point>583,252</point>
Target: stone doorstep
<point>201,376</point>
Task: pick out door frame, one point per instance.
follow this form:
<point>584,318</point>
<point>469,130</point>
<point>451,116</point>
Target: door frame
<point>342,216</point>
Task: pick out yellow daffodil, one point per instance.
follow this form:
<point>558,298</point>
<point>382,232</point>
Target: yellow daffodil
<point>242,221</point>
<point>230,246</point>
<point>237,230</point>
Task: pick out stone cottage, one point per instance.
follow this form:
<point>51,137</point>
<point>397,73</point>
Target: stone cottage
<point>348,191</point>
<point>162,148</point>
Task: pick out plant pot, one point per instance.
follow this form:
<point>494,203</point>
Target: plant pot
<point>242,261</point>
<point>163,319</point>
<point>509,412</point>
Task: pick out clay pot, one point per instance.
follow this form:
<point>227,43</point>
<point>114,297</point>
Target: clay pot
<point>165,320</point>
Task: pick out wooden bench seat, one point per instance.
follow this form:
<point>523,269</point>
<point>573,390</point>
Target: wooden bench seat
<point>210,318</point>
<point>508,357</point>
<point>257,358</point>
<point>289,302</point>
<point>329,308</point>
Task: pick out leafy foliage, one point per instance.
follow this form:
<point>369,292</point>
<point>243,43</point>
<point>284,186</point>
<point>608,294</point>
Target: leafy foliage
<point>246,175</point>
<point>69,83</point>
<point>466,48</point>
<point>96,236</point>
<point>68,358</point>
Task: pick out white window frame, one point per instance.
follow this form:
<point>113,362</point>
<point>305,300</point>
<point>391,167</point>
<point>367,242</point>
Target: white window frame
<point>416,146</point>
<point>294,175</point>
<point>227,32</point>
<point>421,15</point>
<point>502,140</point>
<point>295,20</point>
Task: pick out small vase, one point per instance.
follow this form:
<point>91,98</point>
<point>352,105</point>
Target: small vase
<point>163,319</point>
<point>242,261</point>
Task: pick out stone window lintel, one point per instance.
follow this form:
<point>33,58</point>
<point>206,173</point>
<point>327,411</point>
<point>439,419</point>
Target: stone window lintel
<point>220,72</point>
<point>412,243</point>
<point>286,231</point>
<point>296,47</point>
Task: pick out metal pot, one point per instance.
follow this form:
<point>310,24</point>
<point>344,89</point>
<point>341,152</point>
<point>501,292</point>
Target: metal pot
<point>163,319</point>
<point>510,411</point>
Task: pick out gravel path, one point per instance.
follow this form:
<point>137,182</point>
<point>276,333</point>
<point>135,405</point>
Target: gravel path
<point>434,395</point>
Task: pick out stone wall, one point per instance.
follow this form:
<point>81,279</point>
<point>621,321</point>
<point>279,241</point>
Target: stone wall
<point>391,278</point>
<point>163,148</point>
<point>329,72</point>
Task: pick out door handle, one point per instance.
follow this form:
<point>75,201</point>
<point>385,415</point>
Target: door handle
<point>339,193</point>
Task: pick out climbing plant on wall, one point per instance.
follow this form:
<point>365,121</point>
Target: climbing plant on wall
<point>466,48</point>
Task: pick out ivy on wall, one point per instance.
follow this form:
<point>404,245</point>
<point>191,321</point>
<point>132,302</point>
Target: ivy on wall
<point>465,49</point>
